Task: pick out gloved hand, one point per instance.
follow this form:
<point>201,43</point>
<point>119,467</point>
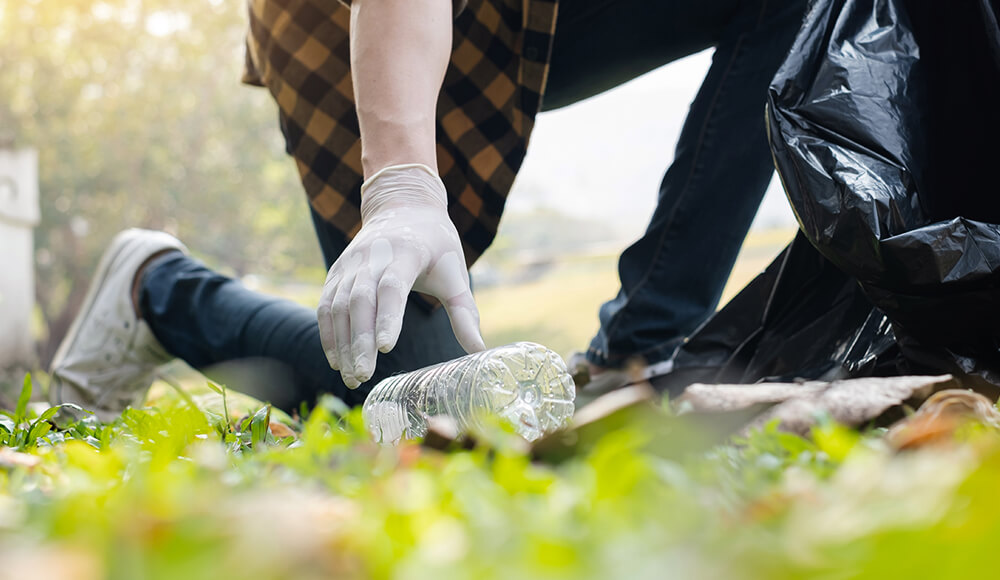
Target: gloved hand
<point>406,241</point>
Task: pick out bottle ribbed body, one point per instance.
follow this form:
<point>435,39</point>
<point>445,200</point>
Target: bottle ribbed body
<point>523,383</point>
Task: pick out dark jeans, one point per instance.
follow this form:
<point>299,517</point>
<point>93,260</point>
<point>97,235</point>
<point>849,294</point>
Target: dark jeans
<point>264,345</point>
<point>672,277</point>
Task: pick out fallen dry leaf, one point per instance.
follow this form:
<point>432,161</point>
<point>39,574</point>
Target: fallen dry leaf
<point>280,430</point>
<point>852,402</point>
<point>937,420</point>
<point>53,561</point>
<point>10,458</point>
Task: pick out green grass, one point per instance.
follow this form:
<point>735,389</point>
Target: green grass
<point>175,491</point>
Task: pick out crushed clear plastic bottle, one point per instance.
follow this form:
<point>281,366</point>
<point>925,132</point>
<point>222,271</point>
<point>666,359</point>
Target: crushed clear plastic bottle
<point>523,383</point>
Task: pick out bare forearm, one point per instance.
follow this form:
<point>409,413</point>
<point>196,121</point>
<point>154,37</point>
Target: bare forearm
<point>399,53</point>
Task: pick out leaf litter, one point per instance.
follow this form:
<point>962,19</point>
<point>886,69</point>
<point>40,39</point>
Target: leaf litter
<point>633,489</point>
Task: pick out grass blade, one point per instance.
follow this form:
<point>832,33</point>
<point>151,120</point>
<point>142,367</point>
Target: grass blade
<point>21,411</point>
<point>259,425</point>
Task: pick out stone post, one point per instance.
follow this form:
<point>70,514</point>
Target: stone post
<point>19,214</point>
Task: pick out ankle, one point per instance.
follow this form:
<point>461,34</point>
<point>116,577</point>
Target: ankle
<point>139,275</point>
<point>594,370</point>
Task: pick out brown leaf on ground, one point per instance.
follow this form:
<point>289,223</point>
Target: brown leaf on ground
<point>54,561</point>
<point>409,454</point>
<point>637,408</point>
<point>443,434</point>
<point>280,430</point>
<point>852,402</point>
<point>938,419</point>
<point>10,458</point>
<point>702,398</point>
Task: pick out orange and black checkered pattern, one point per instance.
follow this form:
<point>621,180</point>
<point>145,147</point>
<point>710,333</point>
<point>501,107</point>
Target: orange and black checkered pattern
<point>299,50</point>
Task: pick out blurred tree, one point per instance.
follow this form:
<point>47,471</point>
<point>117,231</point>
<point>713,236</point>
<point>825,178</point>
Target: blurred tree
<point>137,112</point>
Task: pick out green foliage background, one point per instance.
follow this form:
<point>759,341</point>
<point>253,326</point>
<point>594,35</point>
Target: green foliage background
<point>139,117</point>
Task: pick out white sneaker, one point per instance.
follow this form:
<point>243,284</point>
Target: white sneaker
<point>108,358</point>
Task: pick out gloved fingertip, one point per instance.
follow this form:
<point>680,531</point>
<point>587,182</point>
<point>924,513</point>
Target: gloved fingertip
<point>465,324</point>
<point>385,342</point>
<point>347,369</point>
<point>471,341</point>
<point>476,343</point>
<point>362,368</point>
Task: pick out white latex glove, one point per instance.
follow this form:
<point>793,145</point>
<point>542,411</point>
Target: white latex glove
<point>406,241</point>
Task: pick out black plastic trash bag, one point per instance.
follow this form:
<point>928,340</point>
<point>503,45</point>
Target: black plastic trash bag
<point>884,122</point>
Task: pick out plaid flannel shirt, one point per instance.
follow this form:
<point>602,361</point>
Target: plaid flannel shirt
<point>299,50</point>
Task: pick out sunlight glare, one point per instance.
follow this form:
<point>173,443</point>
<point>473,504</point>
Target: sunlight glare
<point>102,11</point>
<point>164,23</point>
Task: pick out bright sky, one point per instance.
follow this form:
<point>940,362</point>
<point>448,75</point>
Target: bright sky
<point>603,158</point>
